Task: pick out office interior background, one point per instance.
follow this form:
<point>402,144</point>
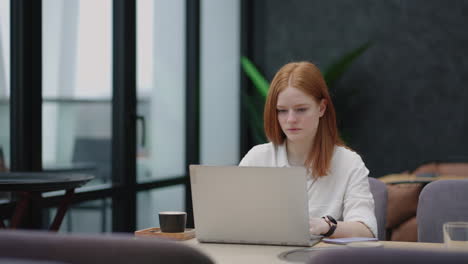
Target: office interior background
<point>402,100</point>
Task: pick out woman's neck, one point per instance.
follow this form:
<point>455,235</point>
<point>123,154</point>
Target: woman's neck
<point>297,152</point>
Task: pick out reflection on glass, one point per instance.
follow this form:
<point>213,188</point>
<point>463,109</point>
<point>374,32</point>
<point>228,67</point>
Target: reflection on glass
<point>86,147</point>
<point>4,94</point>
<point>4,85</point>
<point>161,88</point>
<point>150,203</point>
<point>87,217</point>
<point>77,50</point>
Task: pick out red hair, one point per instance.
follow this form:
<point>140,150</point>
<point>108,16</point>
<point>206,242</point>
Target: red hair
<point>306,77</point>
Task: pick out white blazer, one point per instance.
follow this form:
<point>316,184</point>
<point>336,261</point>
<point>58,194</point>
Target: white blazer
<point>344,193</point>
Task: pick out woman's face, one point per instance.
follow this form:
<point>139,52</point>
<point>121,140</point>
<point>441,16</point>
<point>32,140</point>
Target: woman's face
<point>298,115</point>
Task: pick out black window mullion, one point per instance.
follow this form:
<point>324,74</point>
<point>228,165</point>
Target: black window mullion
<point>26,85</point>
<point>124,115</point>
<point>192,96</point>
<point>26,94</point>
<point>246,50</point>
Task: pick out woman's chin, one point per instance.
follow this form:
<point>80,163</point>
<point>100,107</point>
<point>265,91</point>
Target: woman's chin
<point>298,139</point>
<point>295,138</point>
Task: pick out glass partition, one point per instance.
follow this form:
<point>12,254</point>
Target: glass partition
<point>77,101</point>
<point>77,92</point>
<point>160,89</point>
<point>4,85</point>
<point>86,217</point>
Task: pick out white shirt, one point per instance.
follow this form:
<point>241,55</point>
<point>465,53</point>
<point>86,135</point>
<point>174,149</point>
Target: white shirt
<point>344,193</point>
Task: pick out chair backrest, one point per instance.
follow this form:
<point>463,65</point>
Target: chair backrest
<point>84,249</point>
<point>388,256</point>
<point>441,202</point>
<point>96,151</point>
<point>379,191</point>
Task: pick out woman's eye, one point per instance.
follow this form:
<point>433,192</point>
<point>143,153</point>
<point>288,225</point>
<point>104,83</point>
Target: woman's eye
<point>281,111</point>
<point>301,109</point>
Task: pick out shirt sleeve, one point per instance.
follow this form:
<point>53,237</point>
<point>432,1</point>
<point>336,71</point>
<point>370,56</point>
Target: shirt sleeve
<point>260,155</point>
<point>248,158</point>
<point>358,200</point>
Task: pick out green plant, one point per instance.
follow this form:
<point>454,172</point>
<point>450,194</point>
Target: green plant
<point>254,103</point>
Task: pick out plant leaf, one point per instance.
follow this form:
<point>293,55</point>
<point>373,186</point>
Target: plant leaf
<point>260,83</point>
<point>336,70</point>
<point>255,119</point>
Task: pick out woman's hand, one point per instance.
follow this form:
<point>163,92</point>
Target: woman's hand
<point>318,226</point>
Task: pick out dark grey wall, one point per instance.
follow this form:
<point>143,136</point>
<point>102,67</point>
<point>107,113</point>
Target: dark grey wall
<point>412,82</point>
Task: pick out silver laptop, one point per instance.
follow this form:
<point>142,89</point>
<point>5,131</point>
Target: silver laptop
<point>251,205</point>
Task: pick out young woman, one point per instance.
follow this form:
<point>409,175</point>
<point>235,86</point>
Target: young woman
<point>300,122</point>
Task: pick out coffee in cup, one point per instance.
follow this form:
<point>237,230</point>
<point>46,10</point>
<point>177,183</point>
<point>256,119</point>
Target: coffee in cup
<point>172,221</point>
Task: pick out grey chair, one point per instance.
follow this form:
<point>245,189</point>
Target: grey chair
<point>96,151</point>
<point>379,191</point>
<point>86,249</point>
<point>440,202</point>
<point>387,256</point>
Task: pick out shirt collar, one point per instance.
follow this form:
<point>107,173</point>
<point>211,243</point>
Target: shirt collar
<point>282,156</point>
<point>282,161</point>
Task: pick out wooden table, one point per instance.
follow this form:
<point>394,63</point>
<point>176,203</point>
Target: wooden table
<point>236,253</point>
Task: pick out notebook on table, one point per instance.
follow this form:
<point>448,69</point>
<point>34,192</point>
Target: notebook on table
<point>251,205</point>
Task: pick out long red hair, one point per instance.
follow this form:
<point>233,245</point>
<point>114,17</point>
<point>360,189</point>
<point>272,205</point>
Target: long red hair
<point>306,77</point>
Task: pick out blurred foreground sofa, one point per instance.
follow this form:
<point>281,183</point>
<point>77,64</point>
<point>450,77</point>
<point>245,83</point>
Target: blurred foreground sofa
<point>88,249</point>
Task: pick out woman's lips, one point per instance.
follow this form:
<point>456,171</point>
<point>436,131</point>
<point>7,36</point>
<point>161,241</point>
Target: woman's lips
<point>293,129</point>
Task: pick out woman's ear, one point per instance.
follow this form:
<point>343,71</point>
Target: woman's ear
<point>322,107</point>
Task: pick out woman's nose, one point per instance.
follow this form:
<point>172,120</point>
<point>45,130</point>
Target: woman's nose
<point>291,117</point>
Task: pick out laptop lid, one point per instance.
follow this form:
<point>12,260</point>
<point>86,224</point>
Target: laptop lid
<point>252,205</point>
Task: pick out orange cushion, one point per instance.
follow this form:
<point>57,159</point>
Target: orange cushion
<point>454,169</point>
<point>407,231</point>
<point>402,202</point>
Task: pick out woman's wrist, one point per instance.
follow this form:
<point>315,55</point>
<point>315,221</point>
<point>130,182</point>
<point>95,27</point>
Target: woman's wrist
<point>324,227</point>
<point>332,224</point>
